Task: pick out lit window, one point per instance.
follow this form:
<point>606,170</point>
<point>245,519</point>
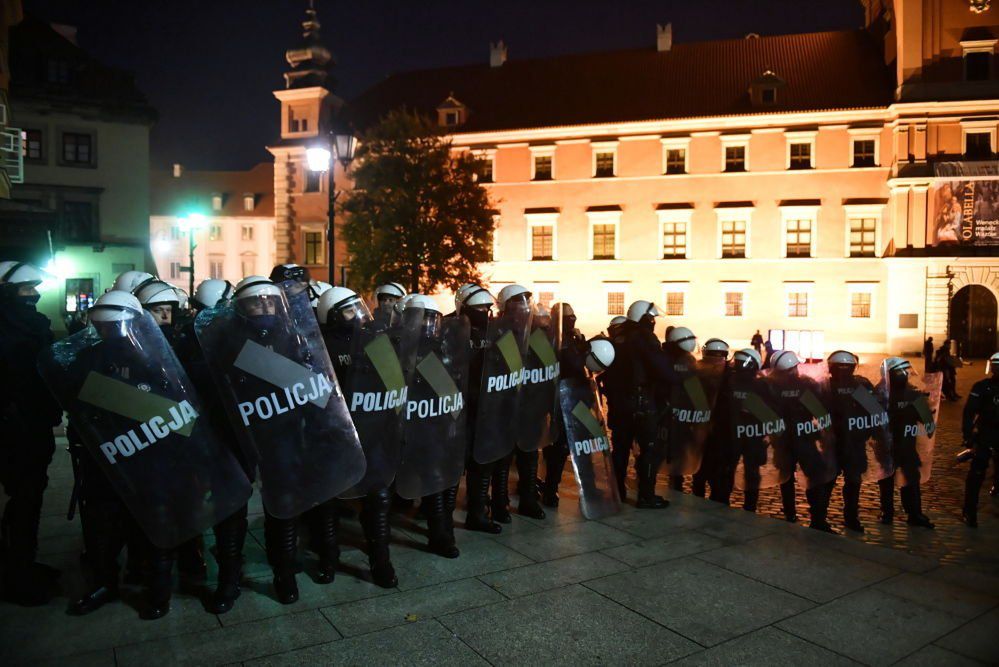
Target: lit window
<point>603,241</point>
<point>797,304</point>
<point>248,265</point>
<point>214,232</point>
<point>674,304</point>
<point>542,241</point>
<point>860,305</point>
<point>863,153</point>
<point>32,145</point>
<point>735,158</point>
<point>733,304</point>
<point>216,202</point>
<point>249,202</point>
<point>674,240</point>
<point>801,156</point>
<point>175,270</point>
<point>733,238</point>
<point>676,160</point>
<point>247,232</point>
<point>545,294</point>
<point>542,167</point>
<point>604,164</point>
<point>215,269</point>
<point>978,144</point>
<point>312,181</point>
<point>863,232</point>
<point>615,303</point>
<point>799,238</point>
<point>77,148</point>
<point>313,247</point>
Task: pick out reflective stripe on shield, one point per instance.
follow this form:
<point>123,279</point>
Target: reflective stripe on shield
<point>278,370</point>
<point>131,402</point>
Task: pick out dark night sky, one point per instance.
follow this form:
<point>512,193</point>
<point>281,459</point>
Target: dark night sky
<point>209,66</point>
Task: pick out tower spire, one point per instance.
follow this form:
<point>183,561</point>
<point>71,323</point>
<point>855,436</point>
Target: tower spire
<point>310,61</point>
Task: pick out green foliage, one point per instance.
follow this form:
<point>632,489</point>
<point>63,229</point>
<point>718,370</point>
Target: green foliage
<point>416,214</point>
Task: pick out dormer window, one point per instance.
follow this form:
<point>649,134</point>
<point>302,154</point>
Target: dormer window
<point>768,95</point>
<point>451,112</point>
<point>764,91</point>
<point>216,202</point>
<point>978,56</point>
<point>249,201</point>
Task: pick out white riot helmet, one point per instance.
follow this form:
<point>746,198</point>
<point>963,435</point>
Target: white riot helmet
<point>255,286</point>
<point>746,359</point>
<point>476,296</point>
<point>342,305</point>
<point>617,320</point>
<point>422,301</point>
<point>433,319</point>
<point>640,309</point>
<point>210,292</point>
<point>19,273</point>
<point>400,305</point>
<point>992,365</point>
<point>461,293</point>
<point>130,281</point>
<point>843,358</point>
<point>896,364</point>
<point>158,293</point>
<point>683,338</point>
<point>784,361</point>
<point>112,312</point>
<point>182,298</point>
<point>394,290</point>
<point>715,347</point>
<point>316,290</point>
<point>600,356</point>
<point>511,291</point>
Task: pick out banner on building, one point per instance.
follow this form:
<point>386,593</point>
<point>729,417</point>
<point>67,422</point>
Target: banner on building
<point>965,210</point>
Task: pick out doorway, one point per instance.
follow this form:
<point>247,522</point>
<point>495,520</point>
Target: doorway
<point>973,312</point>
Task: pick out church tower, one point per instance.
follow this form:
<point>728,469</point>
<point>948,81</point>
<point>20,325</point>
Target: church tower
<point>301,197</point>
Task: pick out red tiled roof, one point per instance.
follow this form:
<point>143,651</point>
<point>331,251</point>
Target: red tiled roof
<point>194,189</point>
<point>824,70</point>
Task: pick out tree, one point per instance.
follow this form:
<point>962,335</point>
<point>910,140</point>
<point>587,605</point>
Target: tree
<point>416,214</point>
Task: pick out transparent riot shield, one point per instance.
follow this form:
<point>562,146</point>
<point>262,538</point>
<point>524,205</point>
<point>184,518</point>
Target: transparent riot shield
<point>863,437</point>
<point>691,403</point>
<point>537,396</point>
<point>502,378</point>
<point>376,393</point>
<point>589,448</point>
<point>914,436</point>
<point>277,382</point>
<point>141,419</point>
<point>803,403</point>
<point>758,433</point>
<point>434,426</point>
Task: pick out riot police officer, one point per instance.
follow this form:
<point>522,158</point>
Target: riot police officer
<point>572,353</point>
<point>132,281</point>
<point>283,272</point>
<point>713,367</point>
<point>679,347</point>
<point>388,296</point>
<point>162,302</point>
<point>980,430</point>
<point>28,412</point>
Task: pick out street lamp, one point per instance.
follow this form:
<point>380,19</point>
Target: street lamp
<point>191,223</point>
<point>319,159</point>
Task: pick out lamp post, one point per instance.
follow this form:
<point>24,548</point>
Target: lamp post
<point>320,158</point>
<point>191,223</point>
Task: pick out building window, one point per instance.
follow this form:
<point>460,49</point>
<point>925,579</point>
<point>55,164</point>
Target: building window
<point>33,145</point>
<point>216,202</point>
<point>248,265</point>
<point>77,149</point>
<point>978,66</point>
<point>733,303</point>
<point>604,235</point>
<point>864,153</point>
<point>733,238</point>
<point>674,304</point>
<point>797,304</point>
<point>674,240</point>
<point>860,305</point>
<point>249,202</point>
<point>543,167</point>
<point>676,160</point>
<point>735,158</point>
<point>485,167</point>
<point>77,222</point>
<point>312,180</point>
<point>297,121</point>
<point>768,95</point>
<point>216,269</point>
<point>451,117</point>
<point>615,303</point>
<point>542,241</point>
<point>545,294</point>
<point>246,232</point>
<point>801,155</point>
<point>798,238</point>
<point>214,232</point>
<point>978,144</point>
<point>313,247</point>
<point>174,270</point>
<point>863,237</point>
<point>175,233</point>
<point>604,164</point>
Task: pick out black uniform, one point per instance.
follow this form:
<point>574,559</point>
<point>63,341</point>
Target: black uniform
<point>572,366</point>
<point>28,412</point>
<point>905,419</point>
<point>980,429</point>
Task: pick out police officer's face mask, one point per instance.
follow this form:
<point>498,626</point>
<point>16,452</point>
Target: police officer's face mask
<point>479,317</point>
<point>648,323</point>
<point>27,295</point>
<point>261,313</point>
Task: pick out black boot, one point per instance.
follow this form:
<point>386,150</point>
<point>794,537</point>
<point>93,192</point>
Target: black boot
<point>647,498</point>
<point>281,539</point>
<point>160,583</point>
<point>699,485</point>
<point>676,482</point>
<point>751,498</point>
<point>555,457</point>
<point>972,487</point>
<point>191,560</point>
<point>851,506</point>
<point>477,491</point>
<point>230,536</point>
<point>501,490</point>
<point>323,522</point>
<point>527,485</point>
<point>788,502</point>
<point>375,522</point>
<point>103,538</point>
<point>886,491</point>
<point>912,504</point>
<point>439,530</point>
<point>818,508</point>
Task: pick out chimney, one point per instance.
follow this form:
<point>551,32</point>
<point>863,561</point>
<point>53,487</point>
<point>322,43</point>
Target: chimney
<point>178,170</point>
<point>664,37</point>
<point>497,53</point>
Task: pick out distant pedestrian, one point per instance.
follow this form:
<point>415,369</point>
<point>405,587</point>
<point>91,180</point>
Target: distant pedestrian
<point>757,341</point>
<point>928,365</point>
<point>768,346</point>
<point>947,364</point>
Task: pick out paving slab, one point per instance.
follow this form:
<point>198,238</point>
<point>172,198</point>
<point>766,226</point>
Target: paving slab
<point>543,544</point>
<point>354,618</point>
<point>568,626</point>
<point>422,568</point>
<point>426,643</point>
<point>934,656</point>
<point>764,647</point>
<point>552,574</point>
<point>101,658</point>
<point>232,644</point>
<point>700,601</point>
<point>679,544</point>
<point>972,580</point>
<point>797,566</point>
<point>871,626</point>
<point>938,595</point>
<point>978,639</point>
